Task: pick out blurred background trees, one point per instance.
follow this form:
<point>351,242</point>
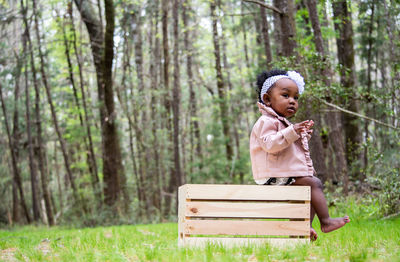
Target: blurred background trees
<point>108,106</point>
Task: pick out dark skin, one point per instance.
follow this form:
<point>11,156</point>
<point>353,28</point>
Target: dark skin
<point>283,98</point>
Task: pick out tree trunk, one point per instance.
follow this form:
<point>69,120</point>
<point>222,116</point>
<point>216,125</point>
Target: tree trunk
<point>394,57</point>
<point>59,187</point>
<point>265,34</point>
<point>176,98</point>
<point>112,166</point>
<point>39,143</point>
<point>244,31</point>
<point>89,158</point>
<point>369,83</point>
<point>155,82</point>
<point>287,26</point>
<point>16,172</point>
<point>344,43</point>
<point>126,64</point>
<point>313,15</point>
<point>103,53</point>
<point>140,110</point>
<point>122,95</point>
<point>92,162</point>
<point>194,123</point>
<point>167,102</point>
<point>332,119</point>
<point>16,131</point>
<point>44,178</point>
<point>220,84</point>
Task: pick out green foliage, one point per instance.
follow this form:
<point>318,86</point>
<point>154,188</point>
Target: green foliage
<point>383,174</point>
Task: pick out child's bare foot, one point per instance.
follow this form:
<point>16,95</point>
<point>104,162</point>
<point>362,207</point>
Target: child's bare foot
<point>313,234</point>
<point>331,224</point>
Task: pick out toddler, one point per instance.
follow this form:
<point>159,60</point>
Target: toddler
<point>279,150</point>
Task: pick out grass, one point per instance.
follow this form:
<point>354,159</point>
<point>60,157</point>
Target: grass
<point>363,239</point>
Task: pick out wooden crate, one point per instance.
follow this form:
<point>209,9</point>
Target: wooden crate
<point>243,214</point>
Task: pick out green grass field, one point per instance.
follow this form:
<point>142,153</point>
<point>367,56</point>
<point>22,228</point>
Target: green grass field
<point>363,239</point>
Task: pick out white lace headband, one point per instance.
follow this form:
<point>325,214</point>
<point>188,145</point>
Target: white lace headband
<point>292,75</point>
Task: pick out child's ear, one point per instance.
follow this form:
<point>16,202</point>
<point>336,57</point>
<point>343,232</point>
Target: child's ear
<point>266,99</point>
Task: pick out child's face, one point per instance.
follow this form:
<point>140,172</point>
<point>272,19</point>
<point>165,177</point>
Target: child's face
<point>283,97</point>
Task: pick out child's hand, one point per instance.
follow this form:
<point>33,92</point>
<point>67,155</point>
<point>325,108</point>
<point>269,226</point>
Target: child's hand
<point>304,126</point>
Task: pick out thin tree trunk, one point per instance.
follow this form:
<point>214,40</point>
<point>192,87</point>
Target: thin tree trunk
<point>176,98</point>
<point>44,178</point>
<point>15,217</point>
<point>394,58</point>
<point>155,82</point>
<point>39,145</point>
<point>265,34</point>
<point>16,131</point>
<point>369,83</point>
<point>59,187</point>
<point>345,47</point>
<point>93,162</point>
<point>220,84</point>
<point>89,158</point>
<point>14,160</point>
<point>194,123</point>
<point>140,108</point>
<point>244,31</point>
<point>125,109</point>
<point>167,102</point>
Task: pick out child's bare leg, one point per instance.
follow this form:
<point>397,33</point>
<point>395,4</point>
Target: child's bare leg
<point>318,202</point>
<point>313,233</point>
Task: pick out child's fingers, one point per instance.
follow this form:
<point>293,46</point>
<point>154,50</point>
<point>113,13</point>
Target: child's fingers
<point>304,123</point>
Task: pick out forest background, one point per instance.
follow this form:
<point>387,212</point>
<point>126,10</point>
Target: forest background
<point>108,106</point>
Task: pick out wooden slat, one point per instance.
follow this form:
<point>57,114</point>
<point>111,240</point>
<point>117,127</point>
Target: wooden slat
<point>181,213</point>
<point>250,210</point>
<point>231,242</point>
<point>246,227</point>
<point>248,192</point>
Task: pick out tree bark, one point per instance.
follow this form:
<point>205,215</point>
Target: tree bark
<point>176,95</point>
<point>287,26</point>
<point>14,160</point>
<point>44,178</point>
<point>167,102</point>
<point>220,84</point>
<point>103,53</point>
<point>122,94</point>
<point>112,166</point>
<point>140,108</point>
<point>125,109</point>
<point>39,142</point>
<point>194,123</point>
<point>88,150</point>
<point>345,47</point>
<point>394,57</point>
<point>92,162</point>
<point>265,34</point>
<point>332,119</point>
<point>369,83</point>
<point>244,31</point>
<point>155,67</point>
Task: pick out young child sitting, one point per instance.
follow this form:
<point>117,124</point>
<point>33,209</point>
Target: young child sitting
<point>279,150</point>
